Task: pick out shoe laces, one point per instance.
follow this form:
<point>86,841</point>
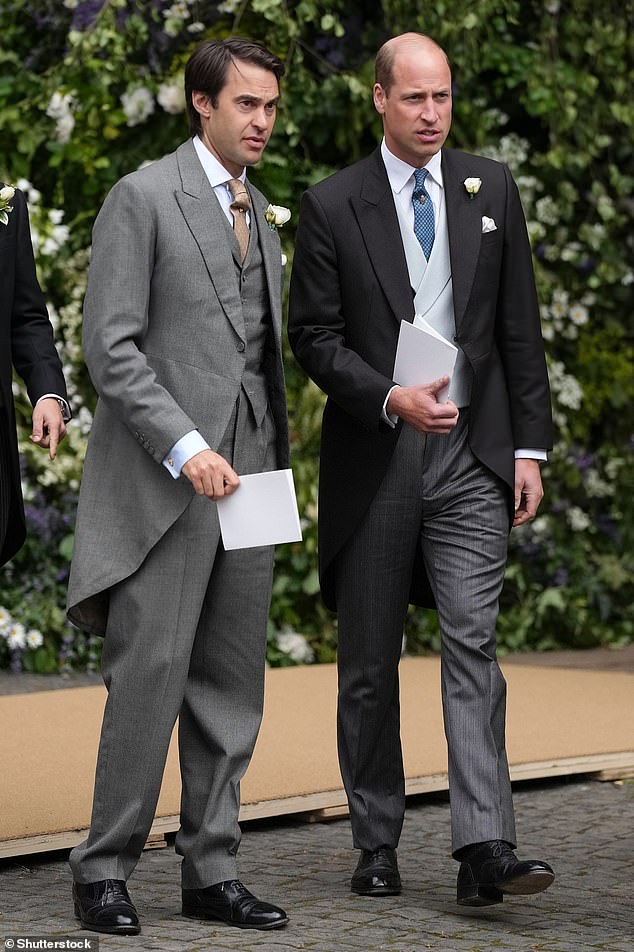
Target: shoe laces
<point>500,848</point>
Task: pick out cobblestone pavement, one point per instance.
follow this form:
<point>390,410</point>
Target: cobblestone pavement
<point>582,827</point>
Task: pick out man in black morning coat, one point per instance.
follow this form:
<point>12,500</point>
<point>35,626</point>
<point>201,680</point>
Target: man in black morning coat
<point>26,342</point>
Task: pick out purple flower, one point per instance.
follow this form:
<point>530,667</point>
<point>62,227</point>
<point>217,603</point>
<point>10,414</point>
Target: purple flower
<point>86,13</point>
<point>561,577</point>
<point>587,265</point>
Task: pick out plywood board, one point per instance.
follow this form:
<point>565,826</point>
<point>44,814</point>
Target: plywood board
<point>560,721</point>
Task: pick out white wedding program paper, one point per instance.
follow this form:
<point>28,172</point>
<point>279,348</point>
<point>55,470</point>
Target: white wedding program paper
<point>262,511</point>
<point>423,355</point>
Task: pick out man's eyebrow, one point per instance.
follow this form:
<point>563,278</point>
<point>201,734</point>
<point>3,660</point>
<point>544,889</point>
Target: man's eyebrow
<point>252,97</point>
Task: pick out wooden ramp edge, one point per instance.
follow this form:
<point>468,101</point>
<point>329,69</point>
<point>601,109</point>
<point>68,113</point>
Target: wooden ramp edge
<point>332,804</point>
<point>561,722</point>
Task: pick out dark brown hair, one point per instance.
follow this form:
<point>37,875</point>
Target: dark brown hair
<point>206,69</point>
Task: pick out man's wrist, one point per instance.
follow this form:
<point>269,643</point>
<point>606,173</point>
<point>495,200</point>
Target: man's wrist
<point>61,402</point>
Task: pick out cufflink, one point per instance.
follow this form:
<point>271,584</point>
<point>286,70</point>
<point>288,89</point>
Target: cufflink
<point>170,461</point>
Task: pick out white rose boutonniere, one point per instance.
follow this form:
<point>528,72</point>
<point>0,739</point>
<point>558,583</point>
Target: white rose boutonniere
<point>6,194</point>
<point>472,186</point>
<point>276,216</point>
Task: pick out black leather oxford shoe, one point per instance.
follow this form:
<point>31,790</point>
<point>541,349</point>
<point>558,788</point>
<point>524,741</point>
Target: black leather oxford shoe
<point>488,870</point>
<point>105,906</point>
<point>231,902</point>
<point>376,873</point>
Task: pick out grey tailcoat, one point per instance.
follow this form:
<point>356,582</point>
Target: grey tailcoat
<point>165,345</point>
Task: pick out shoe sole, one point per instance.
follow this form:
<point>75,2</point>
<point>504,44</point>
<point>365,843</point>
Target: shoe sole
<point>478,894</point>
<point>191,914</point>
<point>115,930</point>
<point>376,890</point>
<point>528,884</point>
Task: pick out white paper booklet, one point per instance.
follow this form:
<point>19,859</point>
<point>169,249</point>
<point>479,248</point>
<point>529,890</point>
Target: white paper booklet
<point>262,511</point>
<point>423,355</point>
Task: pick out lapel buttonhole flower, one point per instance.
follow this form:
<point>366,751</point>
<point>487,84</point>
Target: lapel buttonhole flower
<point>276,216</point>
<point>472,186</point>
<point>6,194</point>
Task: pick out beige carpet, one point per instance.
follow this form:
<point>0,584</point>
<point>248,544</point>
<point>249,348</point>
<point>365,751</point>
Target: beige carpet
<point>559,721</point>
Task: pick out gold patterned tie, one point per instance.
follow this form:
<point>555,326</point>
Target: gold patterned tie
<point>239,207</point>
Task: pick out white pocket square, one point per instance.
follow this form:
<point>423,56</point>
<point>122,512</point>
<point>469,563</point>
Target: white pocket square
<point>488,224</point>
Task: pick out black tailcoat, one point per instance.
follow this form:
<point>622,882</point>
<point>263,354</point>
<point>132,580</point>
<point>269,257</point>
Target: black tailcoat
<point>26,342</point>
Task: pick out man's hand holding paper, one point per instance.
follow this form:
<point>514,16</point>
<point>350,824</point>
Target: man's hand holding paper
<point>422,368</point>
<point>419,407</point>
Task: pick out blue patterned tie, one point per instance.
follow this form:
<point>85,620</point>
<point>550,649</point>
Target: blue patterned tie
<point>423,213</point>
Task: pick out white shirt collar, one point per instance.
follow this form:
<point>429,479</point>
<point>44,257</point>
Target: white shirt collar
<point>400,173</point>
<point>215,172</point>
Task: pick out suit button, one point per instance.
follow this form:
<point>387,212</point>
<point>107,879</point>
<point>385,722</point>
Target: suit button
<point>240,347</point>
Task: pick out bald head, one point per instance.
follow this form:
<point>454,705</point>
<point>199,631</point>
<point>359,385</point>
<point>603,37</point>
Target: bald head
<point>405,43</point>
<point>412,94</point>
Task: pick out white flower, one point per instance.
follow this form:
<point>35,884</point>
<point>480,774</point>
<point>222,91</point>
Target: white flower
<point>5,619</point>
<point>34,638</point>
<point>196,27</point>
<point>566,387</point>
<point>137,105</point>
<point>579,314</point>
<point>6,194</point>
<point>540,527</point>
<point>472,186</point>
<point>276,216</point>
<point>59,105</point>
<point>578,520</point>
<point>546,210</point>
<point>596,486</point>
<point>16,635</point>
<point>64,128</point>
<point>171,96</point>
<point>295,646</point>
<point>177,10</point>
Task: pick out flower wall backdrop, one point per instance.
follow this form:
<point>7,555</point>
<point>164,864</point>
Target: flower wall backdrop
<point>91,89</point>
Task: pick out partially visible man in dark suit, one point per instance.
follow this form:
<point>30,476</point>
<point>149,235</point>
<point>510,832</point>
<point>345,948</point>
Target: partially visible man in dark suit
<point>26,342</point>
<point>417,496</point>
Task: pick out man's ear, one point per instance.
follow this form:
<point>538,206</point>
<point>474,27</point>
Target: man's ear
<point>201,103</point>
<point>378,94</point>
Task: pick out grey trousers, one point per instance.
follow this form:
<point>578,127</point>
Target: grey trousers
<point>435,495</point>
<point>186,638</point>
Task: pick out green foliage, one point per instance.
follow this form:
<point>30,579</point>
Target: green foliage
<point>89,90</point>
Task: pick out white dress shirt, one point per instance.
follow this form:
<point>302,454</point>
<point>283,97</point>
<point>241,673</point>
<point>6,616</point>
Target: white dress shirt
<point>193,443</point>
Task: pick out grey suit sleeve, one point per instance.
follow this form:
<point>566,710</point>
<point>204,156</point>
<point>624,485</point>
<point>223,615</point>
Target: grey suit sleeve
<point>117,310</point>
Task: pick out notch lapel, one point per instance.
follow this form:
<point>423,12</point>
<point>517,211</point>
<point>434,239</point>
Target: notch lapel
<point>464,223</point>
<point>208,225</point>
<point>375,212</point>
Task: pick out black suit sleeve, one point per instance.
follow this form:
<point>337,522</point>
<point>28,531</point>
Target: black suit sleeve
<point>33,350</point>
<point>325,285</point>
<point>518,332</point>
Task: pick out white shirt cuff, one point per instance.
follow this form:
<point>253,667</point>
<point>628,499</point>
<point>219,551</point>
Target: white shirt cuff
<point>531,454</point>
<point>183,450</point>
<point>390,418</point>
<point>55,396</point>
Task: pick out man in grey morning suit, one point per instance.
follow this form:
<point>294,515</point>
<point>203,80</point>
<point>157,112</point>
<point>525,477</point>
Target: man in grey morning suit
<point>417,496</point>
<point>182,337</point>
